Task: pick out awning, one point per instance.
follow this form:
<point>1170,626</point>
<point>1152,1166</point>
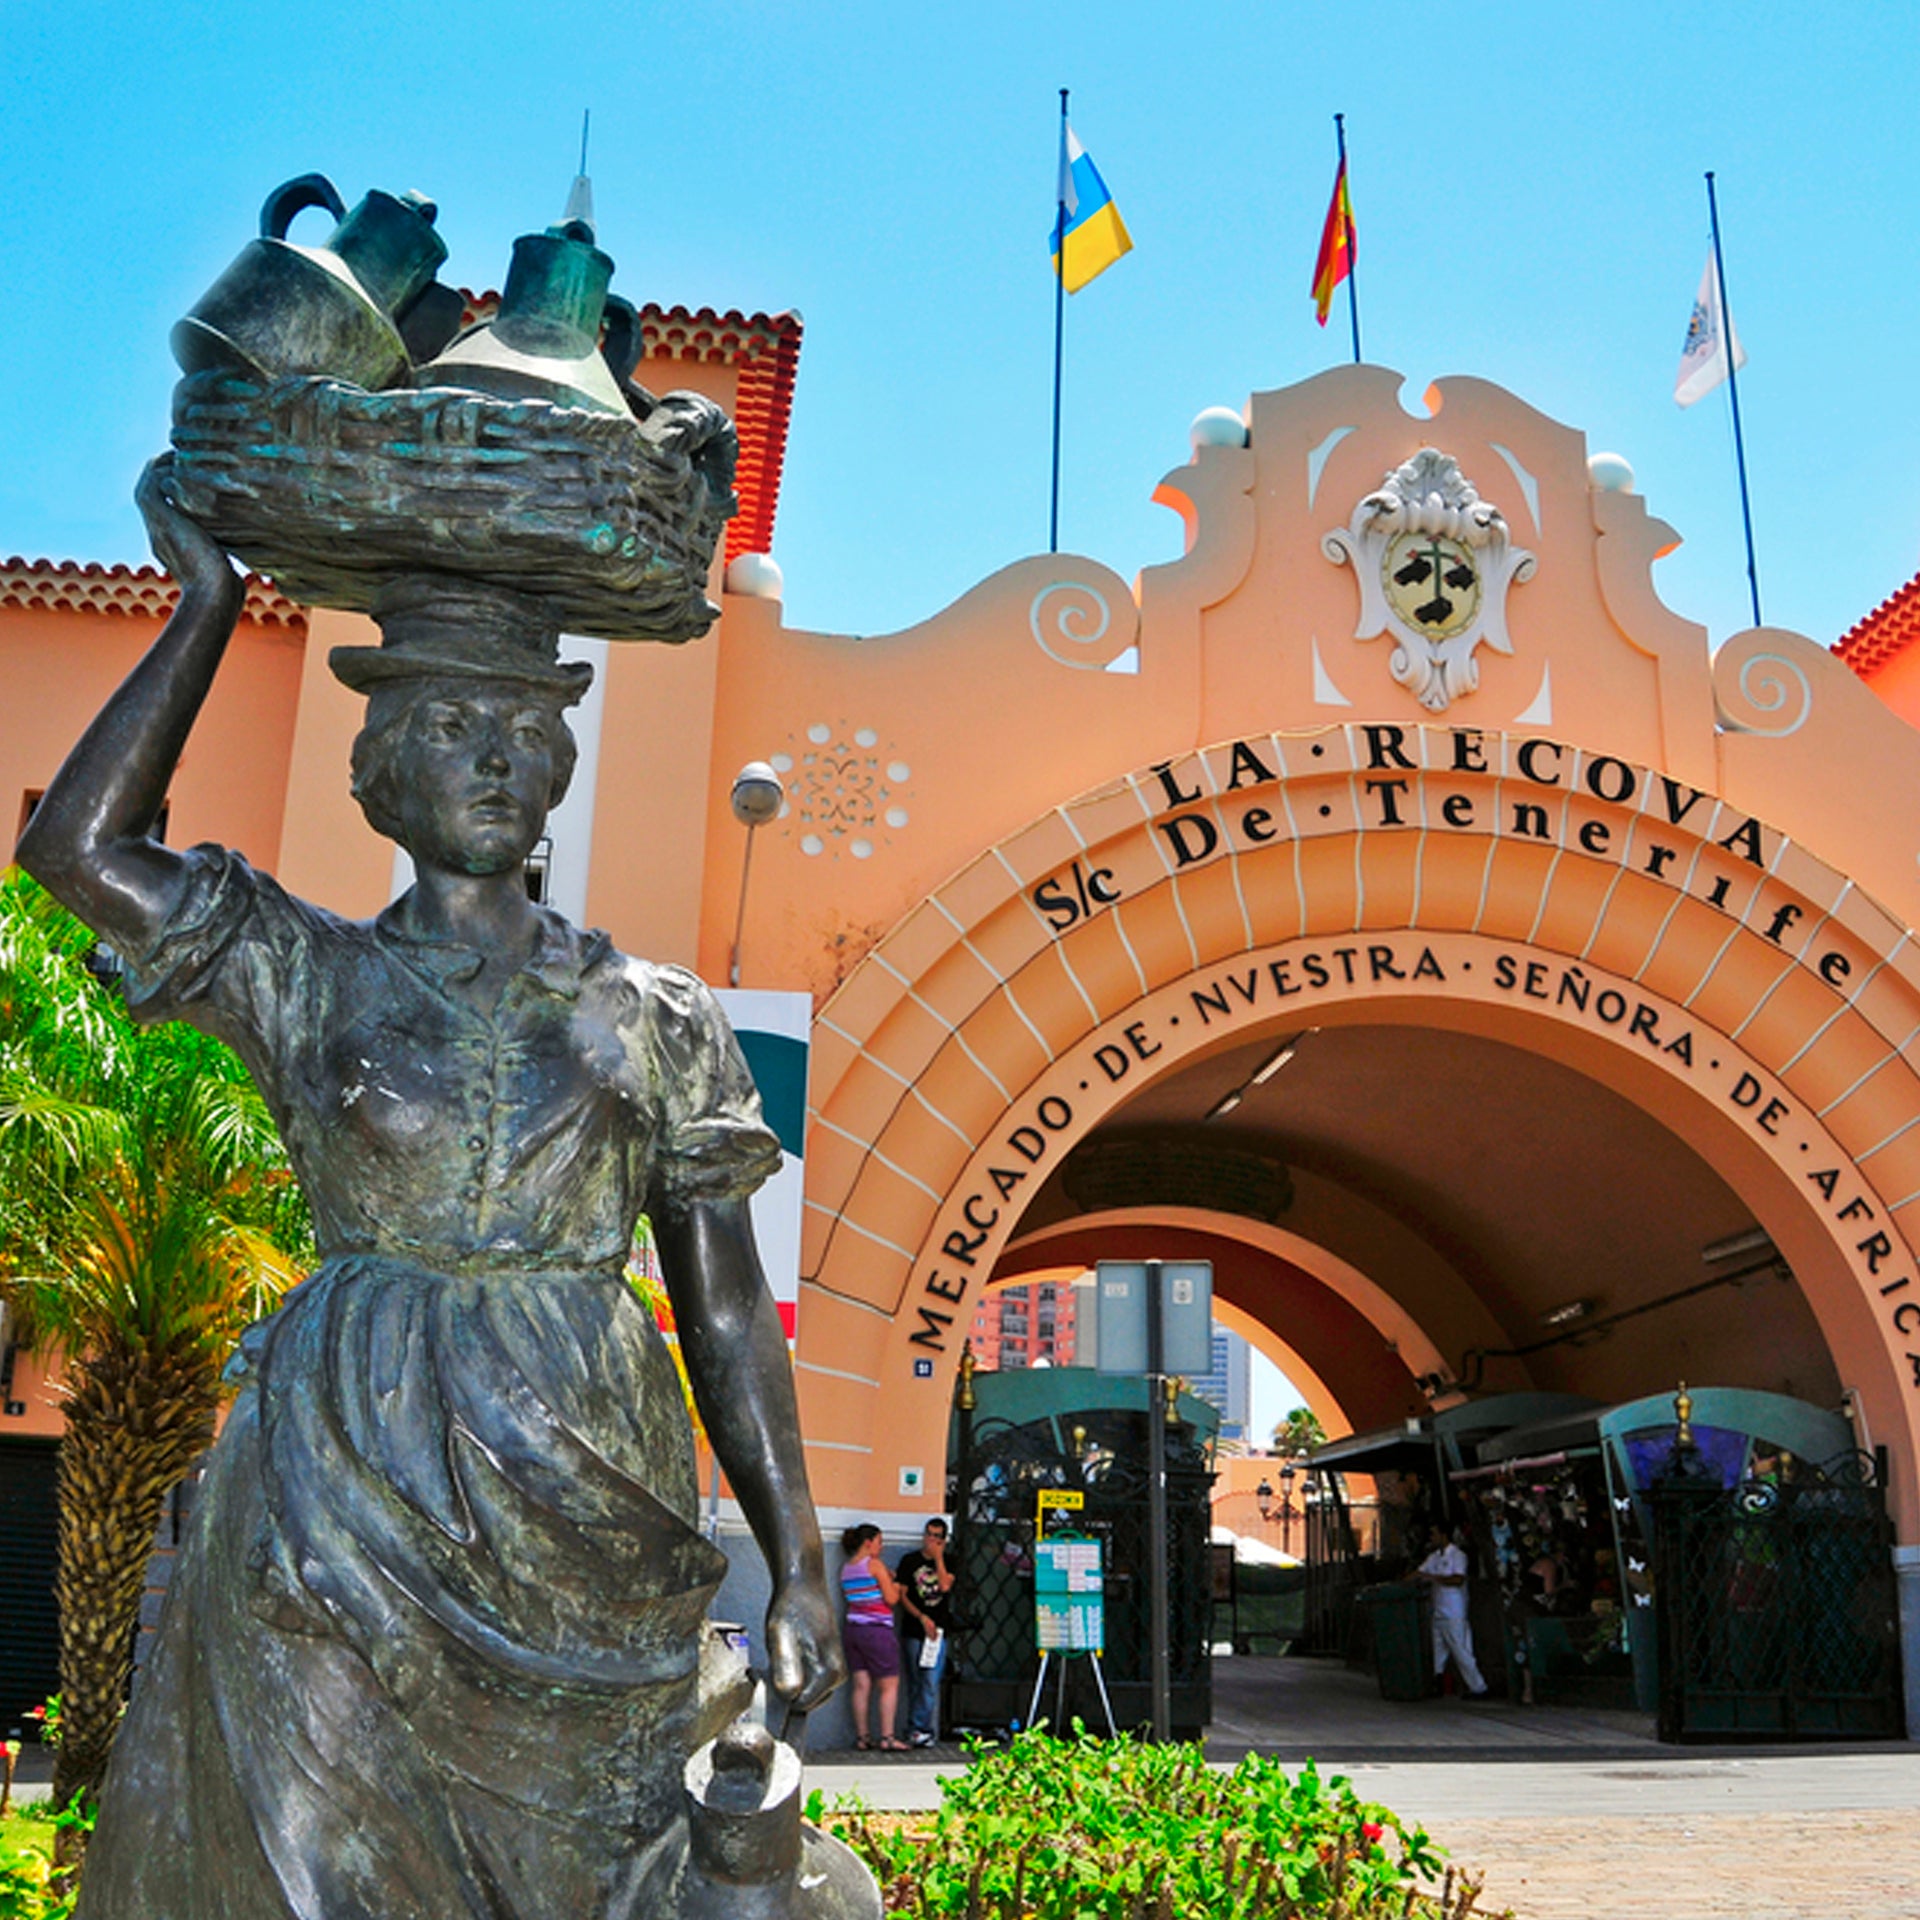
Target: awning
<point>1390,1450</point>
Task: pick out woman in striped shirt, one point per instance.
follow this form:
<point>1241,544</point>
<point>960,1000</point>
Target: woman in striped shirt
<point>873,1648</point>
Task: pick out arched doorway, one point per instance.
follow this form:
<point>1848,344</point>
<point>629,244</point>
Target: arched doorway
<point>1612,952</point>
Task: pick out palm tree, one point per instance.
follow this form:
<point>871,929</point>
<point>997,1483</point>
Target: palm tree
<point>1298,1431</point>
<point>147,1216</point>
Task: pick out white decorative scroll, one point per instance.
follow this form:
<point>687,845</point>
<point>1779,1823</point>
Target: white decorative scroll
<point>1433,561</point>
<point>1775,696</point>
<point>1071,618</point>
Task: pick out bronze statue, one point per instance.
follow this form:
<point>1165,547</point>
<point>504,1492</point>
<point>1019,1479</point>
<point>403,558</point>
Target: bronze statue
<point>435,1648</point>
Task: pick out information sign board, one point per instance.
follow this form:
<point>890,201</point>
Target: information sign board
<point>1069,1607</point>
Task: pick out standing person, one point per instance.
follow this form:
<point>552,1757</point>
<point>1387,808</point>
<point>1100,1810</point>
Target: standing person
<point>926,1590</point>
<point>1445,1572</point>
<point>873,1649</point>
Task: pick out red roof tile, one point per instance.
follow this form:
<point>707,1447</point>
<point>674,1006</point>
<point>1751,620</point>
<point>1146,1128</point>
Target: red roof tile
<point>144,592</point>
<point>1890,628</point>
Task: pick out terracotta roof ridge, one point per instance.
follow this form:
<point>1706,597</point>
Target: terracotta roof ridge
<point>115,586</point>
<point>1889,629</point>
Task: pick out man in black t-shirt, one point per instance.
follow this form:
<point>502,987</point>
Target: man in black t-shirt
<point>926,1594</point>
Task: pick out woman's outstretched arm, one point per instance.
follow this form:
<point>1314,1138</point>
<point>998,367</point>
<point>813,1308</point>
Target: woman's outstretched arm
<point>88,842</point>
<point>736,1357</point>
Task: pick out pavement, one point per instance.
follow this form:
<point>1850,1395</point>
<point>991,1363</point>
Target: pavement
<point>1569,1813</point>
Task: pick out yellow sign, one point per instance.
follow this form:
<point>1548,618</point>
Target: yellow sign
<point>1057,1500</point>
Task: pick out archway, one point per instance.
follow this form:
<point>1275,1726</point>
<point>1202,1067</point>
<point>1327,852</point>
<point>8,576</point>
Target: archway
<point>1648,937</point>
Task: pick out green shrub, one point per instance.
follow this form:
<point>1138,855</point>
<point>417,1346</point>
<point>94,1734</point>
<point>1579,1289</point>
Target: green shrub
<point>1085,1829</point>
<point>27,1887</point>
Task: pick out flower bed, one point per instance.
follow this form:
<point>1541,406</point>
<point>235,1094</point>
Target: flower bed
<point>1085,1829</point>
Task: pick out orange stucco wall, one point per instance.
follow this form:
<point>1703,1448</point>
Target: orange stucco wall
<point>232,780</point>
<point>1071,814</point>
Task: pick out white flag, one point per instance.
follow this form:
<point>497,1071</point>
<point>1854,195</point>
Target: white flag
<point>1703,361</point>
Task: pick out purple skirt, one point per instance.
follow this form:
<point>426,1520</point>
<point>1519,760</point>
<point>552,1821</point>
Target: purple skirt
<point>873,1647</point>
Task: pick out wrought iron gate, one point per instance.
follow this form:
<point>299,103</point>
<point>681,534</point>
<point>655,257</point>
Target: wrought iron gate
<point>1776,1606</point>
<point>999,1468</point>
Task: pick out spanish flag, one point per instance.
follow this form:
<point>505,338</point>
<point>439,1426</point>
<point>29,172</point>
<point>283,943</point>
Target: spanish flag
<point>1336,246</point>
<point>1088,234</point>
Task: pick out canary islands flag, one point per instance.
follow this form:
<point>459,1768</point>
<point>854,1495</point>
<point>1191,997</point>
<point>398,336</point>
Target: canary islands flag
<point>1088,233</point>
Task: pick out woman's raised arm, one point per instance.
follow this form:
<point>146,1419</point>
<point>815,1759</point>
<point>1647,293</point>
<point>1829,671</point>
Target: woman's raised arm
<point>89,839</point>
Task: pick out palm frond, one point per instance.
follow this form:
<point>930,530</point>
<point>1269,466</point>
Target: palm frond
<point>47,1132</point>
<point>146,1202</point>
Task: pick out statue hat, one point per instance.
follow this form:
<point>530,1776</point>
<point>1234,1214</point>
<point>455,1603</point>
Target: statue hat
<point>435,626</point>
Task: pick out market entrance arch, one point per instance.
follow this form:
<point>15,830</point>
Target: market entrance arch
<point>1514,890</point>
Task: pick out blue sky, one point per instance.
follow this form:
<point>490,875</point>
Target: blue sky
<point>1527,184</point>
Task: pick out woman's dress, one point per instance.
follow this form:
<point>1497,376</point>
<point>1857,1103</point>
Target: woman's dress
<point>434,1650</point>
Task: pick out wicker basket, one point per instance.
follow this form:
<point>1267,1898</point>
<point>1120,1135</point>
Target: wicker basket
<point>332,490</point>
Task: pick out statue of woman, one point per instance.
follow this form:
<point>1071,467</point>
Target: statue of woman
<point>434,1650</point>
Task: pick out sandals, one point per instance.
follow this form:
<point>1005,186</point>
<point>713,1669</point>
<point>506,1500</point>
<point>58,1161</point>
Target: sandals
<point>863,1745</point>
<point>888,1745</point>
<point>891,1745</point>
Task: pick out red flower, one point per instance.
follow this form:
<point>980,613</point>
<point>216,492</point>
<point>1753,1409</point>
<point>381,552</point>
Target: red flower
<point>1372,1831</point>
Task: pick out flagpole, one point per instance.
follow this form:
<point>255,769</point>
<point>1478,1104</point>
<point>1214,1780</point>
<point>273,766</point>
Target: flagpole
<point>1733,393</point>
<point>1346,220</point>
<point>1059,318</point>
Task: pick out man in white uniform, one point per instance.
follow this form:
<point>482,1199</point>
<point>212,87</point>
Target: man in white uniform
<point>1445,1572</point>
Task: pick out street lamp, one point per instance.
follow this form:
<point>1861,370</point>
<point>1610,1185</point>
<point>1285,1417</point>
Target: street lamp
<point>1287,1471</point>
<point>756,798</point>
<point>1264,1494</point>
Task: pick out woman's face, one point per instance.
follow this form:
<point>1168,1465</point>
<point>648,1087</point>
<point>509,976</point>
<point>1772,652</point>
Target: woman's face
<point>476,776</point>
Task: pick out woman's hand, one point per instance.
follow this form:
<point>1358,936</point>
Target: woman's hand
<point>803,1644</point>
<point>182,545</point>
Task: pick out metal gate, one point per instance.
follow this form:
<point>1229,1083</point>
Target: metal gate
<point>999,1469</point>
<point>1776,1606</point>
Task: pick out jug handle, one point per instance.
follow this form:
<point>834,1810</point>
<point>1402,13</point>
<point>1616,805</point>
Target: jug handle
<point>309,190</point>
<point>621,346</point>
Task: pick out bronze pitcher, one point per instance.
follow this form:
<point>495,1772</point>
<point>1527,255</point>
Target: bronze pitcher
<point>337,310</point>
<point>543,344</point>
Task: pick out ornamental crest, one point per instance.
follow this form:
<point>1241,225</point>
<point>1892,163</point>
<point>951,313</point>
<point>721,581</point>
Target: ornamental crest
<point>1434,563</point>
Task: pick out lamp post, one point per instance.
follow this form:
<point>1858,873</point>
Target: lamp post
<point>1264,1494</point>
<point>756,798</point>
<point>1287,1471</point>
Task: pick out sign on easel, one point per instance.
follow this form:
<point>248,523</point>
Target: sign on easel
<point>1069,1595</point>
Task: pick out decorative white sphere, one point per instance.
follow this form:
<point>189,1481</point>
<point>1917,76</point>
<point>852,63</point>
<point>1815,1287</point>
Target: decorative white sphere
<point>756,576</point>
<point>757,793</point>
<point>1610,473</point>
<point>1217,427</point>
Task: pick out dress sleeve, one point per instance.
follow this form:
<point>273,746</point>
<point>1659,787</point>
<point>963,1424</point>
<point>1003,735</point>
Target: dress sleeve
<point>222,961</point>
<point>713,1143</point>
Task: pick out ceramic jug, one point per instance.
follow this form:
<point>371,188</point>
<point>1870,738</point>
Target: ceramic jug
<point>337,309</point>
<point>543,342</point>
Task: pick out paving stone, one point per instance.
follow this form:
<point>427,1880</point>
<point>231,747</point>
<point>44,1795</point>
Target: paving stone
<point>1824,1866</point>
